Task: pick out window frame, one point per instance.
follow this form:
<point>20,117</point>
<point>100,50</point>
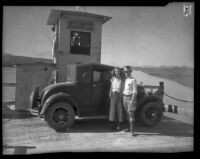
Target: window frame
<point>93,73</point>
<point>81,50</point>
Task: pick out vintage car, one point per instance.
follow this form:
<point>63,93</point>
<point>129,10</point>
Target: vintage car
<point>85,93</point>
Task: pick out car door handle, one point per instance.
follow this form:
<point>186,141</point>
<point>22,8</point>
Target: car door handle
<point>94,85</point>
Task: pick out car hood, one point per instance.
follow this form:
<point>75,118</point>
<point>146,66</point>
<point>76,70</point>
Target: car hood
<point>57,85</point>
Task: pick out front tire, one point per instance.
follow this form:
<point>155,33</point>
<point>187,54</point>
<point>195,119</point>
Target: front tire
<point>60,116</point>
<point>151,114</point>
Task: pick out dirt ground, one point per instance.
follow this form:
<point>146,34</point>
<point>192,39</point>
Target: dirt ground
<point>30,135</point>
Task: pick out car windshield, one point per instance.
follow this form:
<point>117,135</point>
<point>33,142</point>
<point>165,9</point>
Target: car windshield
<point>71,73</point>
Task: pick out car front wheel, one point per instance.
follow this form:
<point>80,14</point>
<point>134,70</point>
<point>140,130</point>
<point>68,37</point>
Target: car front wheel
<point>60,116</point>
<point>151,114</point>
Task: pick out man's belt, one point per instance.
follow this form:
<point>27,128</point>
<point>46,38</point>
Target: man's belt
<point>130,95</point>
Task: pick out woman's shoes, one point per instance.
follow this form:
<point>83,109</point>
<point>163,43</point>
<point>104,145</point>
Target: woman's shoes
<point>114,128</point>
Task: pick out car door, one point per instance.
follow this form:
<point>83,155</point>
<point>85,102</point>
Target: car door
<point>99,94</point>
<point>83,91</point>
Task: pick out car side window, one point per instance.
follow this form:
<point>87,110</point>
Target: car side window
<point>84,76</point>
<point>97,76</point>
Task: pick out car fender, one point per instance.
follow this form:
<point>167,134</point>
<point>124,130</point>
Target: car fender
<point>59,96</point>
<point>147,99</point>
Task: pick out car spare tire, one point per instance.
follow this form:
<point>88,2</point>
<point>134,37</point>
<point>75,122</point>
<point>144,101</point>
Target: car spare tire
<point>151,114</point>
<point>34,97</point>
<point>60,116</point>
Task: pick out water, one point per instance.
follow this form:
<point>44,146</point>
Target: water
<point>171,88</point>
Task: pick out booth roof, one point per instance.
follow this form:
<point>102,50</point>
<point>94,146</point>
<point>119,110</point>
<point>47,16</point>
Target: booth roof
<point>55,14</point>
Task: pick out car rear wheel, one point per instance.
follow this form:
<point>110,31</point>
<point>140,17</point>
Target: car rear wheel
<point>151,114</point>
<point>60,116</point>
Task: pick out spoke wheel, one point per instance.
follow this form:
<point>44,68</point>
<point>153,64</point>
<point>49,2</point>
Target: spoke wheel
<point>151,114</point>
<point>60,116</point>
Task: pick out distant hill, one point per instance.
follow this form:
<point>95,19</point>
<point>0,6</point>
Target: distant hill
<point>163,66</point>
<point>183,75</point>
<point>9,60</point>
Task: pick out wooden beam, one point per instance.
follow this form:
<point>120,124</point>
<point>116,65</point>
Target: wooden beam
<point>9,84</point>
<point>8,103</point>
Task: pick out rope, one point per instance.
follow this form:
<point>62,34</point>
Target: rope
<point>178,99</point>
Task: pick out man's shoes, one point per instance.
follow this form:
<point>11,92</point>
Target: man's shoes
<point>118,128</point>
<point>127,130</point>
<point>133,134</point>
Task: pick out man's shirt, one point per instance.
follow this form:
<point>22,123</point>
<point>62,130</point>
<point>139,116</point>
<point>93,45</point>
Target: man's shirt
<point>130,86</point>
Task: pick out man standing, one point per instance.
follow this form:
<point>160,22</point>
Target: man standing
<point>129,98</point>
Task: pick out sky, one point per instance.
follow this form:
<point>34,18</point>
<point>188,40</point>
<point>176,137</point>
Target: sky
<point>136,36</point>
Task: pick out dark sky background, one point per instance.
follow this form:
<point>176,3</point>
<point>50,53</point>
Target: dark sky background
<point>135,36</point>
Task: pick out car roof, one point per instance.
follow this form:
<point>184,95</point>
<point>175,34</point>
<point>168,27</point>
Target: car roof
<point>95,65</point>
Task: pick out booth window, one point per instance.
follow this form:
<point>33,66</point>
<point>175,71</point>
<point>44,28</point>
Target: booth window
<point>80,42</point>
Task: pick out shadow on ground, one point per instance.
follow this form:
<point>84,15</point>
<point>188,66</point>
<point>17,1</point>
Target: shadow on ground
<point>9,114</point>
<point>19,150</point>
<point>167,126</point>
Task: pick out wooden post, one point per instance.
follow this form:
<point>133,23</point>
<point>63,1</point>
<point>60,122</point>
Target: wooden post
<point>161,84</point>
<point>162,89</point>
<point>175,109</point>
<point>170,109</point>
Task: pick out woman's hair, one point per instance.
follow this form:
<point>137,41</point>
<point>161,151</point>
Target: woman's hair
<point>114,70</point>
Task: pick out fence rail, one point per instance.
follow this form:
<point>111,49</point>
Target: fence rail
<point>178,99</point>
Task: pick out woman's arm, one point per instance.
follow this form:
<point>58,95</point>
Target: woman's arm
<point>110,92</point>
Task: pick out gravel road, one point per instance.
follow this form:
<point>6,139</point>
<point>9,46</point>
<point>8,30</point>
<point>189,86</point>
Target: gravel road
<point>30,135</point>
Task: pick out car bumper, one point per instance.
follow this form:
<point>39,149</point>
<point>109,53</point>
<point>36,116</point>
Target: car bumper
<point>34,112</point>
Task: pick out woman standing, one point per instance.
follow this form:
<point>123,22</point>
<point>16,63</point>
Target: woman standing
<point>116,115</point>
